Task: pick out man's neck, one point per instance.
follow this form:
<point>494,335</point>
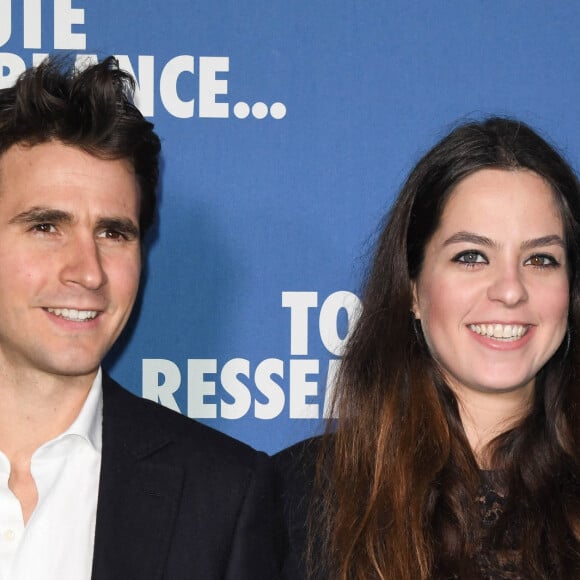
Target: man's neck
<point>37,407</point>
<point>34,409</point>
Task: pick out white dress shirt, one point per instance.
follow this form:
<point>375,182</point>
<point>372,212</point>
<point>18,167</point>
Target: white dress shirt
<point>57,542</point>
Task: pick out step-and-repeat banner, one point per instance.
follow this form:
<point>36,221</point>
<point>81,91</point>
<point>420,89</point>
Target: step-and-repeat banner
<point>287,129</point>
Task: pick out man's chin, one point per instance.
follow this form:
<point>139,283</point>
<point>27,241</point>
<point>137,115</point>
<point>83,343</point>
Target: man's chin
<point>73,369</point>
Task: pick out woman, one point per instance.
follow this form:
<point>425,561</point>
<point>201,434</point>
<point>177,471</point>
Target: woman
<point>456,454</point>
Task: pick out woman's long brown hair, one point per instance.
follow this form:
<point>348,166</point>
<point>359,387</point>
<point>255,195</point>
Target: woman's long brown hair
<point>396,477</point>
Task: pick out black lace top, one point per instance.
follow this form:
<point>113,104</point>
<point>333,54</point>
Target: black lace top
<point>495,564</point>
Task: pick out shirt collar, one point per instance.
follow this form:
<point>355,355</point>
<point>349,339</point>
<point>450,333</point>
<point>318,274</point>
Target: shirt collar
<point>89,422</point>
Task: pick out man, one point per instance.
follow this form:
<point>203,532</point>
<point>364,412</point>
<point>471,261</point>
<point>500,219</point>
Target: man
<point>95,482</point>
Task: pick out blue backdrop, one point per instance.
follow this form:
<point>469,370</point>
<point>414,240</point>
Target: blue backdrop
<point>287,129</point>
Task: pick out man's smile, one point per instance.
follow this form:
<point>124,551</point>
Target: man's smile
<point>73,314</point>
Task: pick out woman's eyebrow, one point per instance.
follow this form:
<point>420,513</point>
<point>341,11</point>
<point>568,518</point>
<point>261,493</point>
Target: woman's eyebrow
<point>542,242</point>
<point>472,238</point>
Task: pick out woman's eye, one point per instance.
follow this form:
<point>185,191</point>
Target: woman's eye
<point>470,257</point>
<point>542,261</point>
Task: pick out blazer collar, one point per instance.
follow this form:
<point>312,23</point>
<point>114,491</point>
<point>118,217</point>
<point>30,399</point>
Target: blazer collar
<point>139,490</point>
<point>139,432</point>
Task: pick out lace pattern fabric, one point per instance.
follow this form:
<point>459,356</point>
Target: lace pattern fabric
<point>503,563</point>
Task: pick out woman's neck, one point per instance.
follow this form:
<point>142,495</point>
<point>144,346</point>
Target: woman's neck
<point>485,415</point>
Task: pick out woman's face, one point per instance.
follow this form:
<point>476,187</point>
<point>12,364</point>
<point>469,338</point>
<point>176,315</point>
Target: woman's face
<point>492,295</point>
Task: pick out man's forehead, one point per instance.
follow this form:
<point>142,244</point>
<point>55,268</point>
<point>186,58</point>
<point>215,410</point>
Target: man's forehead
<point>70,156</point>
<point>68,187</point>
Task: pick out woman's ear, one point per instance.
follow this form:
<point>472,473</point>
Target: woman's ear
<point>415,309</point>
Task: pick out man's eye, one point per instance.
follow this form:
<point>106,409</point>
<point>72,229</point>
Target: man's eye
<point>113,235</point>
<point>44,228</point>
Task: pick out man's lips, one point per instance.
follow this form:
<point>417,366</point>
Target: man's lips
<point>74,314</point>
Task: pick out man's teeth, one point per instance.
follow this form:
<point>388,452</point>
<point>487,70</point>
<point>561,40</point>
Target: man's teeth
<point>73,314</point>
<point>502,331</point>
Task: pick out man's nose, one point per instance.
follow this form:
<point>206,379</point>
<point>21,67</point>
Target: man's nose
<point>83,263</point>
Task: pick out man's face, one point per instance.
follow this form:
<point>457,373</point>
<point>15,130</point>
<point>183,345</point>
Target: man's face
<point>69,258</point>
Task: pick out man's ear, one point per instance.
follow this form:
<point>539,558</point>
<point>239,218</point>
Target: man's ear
<point>415,309</point>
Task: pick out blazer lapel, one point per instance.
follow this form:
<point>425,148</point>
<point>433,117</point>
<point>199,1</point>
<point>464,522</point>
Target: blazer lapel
<point>139,493</point>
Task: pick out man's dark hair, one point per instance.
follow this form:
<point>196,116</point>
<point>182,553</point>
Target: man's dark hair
<point>90,108</point>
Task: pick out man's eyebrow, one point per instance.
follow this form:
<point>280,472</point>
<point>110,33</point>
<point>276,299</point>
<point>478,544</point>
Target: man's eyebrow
<point>472,238</point>
<point>122,225</point>
<point>37,215</point>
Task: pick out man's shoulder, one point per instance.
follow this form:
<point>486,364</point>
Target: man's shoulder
<point>296,468</point>
<point>212,497</point>
<point>139,417</point>
<point>299,456</point>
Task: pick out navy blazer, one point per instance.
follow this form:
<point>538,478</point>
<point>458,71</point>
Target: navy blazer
<point>296,470</point>
<point>179,500</point>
